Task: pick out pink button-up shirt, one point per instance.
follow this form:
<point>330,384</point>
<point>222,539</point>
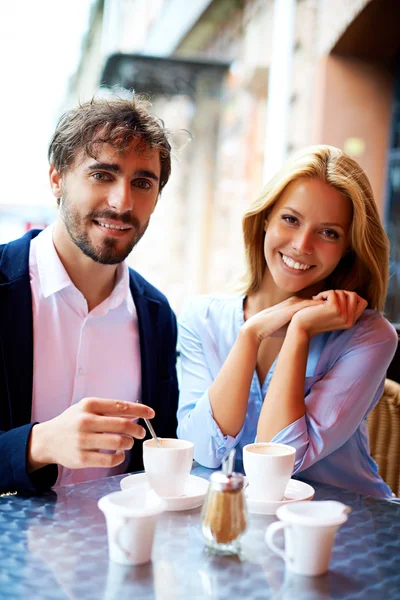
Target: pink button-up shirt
<point>78,353</point>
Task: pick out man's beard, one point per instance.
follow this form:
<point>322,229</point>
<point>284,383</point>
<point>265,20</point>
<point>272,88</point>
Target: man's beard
<point>107,252</point>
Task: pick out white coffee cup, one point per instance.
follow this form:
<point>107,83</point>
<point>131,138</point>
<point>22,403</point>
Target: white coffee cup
<point>131,521</point>
<point>310,529</point>
<point>168,466</point>
<point>268,468</point>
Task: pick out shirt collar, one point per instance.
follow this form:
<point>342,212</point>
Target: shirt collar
<point>53,277</point>
<point>121,292</point>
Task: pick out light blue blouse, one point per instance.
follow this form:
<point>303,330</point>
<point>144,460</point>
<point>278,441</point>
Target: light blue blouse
<point>344,381</point>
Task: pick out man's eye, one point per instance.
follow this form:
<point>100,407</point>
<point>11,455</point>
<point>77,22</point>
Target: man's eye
<point>101,177</point>
<point>143,184</point>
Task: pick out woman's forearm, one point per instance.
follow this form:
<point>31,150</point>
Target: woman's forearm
<point>229,392</point>
<point>284,400</point>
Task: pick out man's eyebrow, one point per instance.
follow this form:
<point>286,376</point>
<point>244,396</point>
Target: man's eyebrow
<point>146,173</point>
<point>102,166</point>
<point>114,168</point>
<point>301,216</point>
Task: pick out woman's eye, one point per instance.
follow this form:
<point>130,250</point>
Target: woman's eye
<point>330,233</point>
<point>289,219</point>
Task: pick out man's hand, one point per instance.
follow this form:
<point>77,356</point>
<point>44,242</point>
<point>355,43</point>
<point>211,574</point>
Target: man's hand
<point>74,438</point>
<point>340,309</point>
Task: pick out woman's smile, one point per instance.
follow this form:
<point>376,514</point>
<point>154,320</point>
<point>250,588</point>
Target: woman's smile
<point>294,264</point>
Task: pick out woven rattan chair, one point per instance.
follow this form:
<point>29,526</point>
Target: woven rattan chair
<point>384,433</point>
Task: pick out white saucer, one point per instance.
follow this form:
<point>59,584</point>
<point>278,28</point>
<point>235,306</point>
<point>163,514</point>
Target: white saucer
<point>195,491</point>
<point>296,491</point>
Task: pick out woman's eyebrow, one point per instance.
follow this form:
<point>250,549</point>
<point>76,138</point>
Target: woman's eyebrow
<point>325,224</point>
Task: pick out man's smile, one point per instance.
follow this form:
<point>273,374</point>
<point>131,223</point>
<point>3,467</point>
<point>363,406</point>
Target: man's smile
<point>108,225</point>
<point>112,230</point>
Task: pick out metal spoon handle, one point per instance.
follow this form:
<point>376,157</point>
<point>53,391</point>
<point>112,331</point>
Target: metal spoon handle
<point>153,433</point>
<point>228,462</point>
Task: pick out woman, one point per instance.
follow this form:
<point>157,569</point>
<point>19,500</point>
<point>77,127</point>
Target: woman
<point>298,358</point>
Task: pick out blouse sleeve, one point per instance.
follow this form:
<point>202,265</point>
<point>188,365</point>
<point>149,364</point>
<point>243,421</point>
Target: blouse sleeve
<point>198,371</point>
<point>345,393</point>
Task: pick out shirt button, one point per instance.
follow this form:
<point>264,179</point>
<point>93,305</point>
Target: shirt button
<point>80,371</point>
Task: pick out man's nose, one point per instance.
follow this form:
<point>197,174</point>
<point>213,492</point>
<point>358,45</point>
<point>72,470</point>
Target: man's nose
<point>121,197</point>
<point>302,242</point>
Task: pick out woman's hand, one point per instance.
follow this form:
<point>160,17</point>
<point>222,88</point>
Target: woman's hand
<point>270,321</point>
<point>229,409</point>
<point>339,309</point>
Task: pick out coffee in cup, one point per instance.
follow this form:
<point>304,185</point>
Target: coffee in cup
<point>168,466</point>
<point>268,468</point>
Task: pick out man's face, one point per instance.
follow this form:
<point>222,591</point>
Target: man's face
<point>107,201</point>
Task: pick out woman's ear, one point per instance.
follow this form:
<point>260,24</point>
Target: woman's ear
<point>265,224</point>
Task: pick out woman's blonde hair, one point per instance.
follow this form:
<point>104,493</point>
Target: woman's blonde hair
<point>364,269</point>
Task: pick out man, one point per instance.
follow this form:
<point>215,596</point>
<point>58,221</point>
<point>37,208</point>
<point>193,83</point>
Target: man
<point>87,346</point>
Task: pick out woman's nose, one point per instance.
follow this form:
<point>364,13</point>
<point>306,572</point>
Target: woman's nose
<point>302,242</point>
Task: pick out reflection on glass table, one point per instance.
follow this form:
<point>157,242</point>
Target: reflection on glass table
<point>55,546</point>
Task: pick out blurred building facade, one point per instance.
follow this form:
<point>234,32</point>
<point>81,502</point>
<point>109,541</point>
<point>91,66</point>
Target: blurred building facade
<point>275,75</point>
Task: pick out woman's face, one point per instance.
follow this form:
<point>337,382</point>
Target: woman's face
<point>307,233</point>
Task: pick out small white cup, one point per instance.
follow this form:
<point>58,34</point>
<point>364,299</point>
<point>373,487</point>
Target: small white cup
<point>131,521</point>
<point>168,466</point>
<point>310,529</point>
<point>268,468</point>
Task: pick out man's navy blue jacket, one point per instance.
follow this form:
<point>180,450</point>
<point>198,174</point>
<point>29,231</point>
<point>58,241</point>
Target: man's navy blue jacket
<point>157,334</point>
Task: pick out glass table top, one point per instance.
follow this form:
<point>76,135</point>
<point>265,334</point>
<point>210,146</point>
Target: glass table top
<point>55,546</point>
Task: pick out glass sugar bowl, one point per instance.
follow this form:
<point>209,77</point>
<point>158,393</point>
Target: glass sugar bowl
<point>224,513</point>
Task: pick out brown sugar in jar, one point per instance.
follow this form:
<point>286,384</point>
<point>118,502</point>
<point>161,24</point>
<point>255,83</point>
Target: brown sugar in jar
<point>224,514</point>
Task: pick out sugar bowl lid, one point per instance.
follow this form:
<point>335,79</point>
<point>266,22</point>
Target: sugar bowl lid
<point>221,482</point>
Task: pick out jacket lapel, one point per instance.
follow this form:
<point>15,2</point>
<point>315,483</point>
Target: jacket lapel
<point>147,312</point>
<point>16,331</point>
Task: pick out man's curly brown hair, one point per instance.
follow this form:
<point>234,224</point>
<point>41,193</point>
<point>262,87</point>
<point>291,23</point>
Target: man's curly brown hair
<point>115,122</point>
